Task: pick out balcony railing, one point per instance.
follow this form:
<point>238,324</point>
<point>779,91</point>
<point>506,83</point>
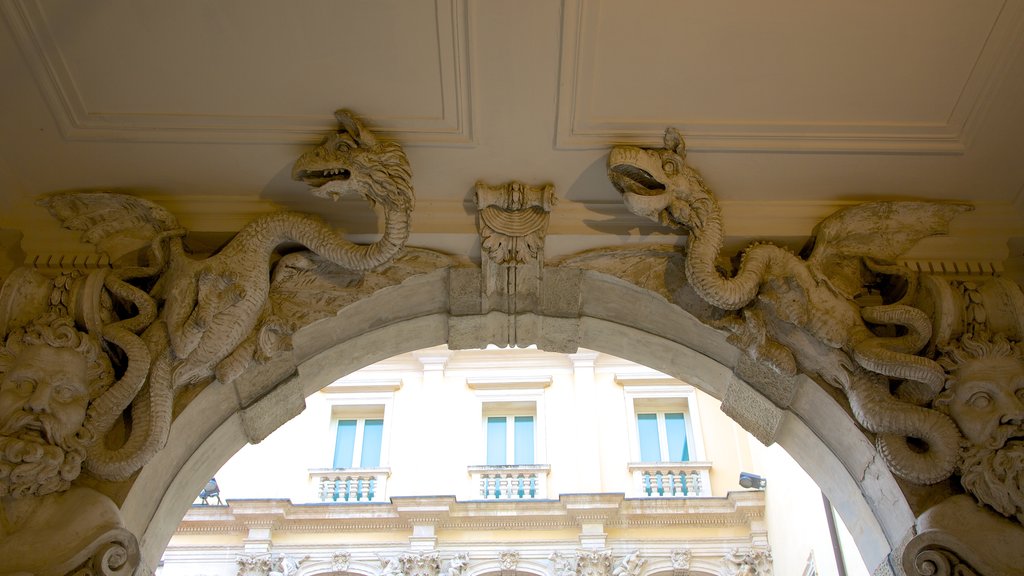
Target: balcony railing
<point>672,479</point>
<point>351,484</point>
<point>511,482</point>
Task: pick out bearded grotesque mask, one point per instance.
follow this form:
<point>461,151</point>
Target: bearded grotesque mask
<point>49,372</point>
<point>985,397</point>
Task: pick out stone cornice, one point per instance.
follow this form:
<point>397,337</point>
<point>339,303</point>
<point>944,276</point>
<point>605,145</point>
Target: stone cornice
<point>976,244</point>
<point>401,514</point>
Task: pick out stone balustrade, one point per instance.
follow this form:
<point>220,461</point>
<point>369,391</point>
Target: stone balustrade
<point>511,482</point>
<point>351,484</point>
<point>671,479</point>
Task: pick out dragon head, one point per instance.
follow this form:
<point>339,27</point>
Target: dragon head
<point>655,182</point>
<point>353,160</point>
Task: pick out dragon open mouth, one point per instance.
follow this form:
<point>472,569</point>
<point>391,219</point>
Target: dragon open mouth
<point>638,180</point>
<point>321,177</point>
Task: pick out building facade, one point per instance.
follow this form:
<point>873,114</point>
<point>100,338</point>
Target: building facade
<point>503,461</point>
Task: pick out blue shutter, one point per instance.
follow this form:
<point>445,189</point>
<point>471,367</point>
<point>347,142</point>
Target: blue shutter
<point>675,430</point>
<point>650,446</point>
<point>496,438</point>
<point>344,443</point>
<point>373,435</point>
<point>524,440</point>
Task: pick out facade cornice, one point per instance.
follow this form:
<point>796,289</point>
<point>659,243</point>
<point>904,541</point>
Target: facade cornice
<point>444,512</point>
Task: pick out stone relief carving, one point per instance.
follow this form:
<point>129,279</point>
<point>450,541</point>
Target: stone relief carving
<point>340,561</point>
<point>681,558</point>
<point>629,565</point>
<point>457,565</point>
<point>512,220</point>
<point>164,320</point>
<point>920,369</point>
<point>53,380</point>
<point>980,531</point>
<point>253,565</point>
<point>421,564</point>
<point>794,313</point>
<point>563,564</point>
<point>508,560</point>
<point>391,566</point>
<point>748,562</point>
<point>593,563</point>
<point>285,565</point>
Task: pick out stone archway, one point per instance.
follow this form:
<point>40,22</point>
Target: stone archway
<point>216,352</point>
<point>816,430</point>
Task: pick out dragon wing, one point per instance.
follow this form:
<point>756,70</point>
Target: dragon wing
<point>878,230</point>
<point>115,223</point>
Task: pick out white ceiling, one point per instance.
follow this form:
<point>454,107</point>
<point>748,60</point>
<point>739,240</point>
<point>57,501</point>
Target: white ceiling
<point>791,109</point>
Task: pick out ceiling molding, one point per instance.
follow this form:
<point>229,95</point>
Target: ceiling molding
<point>453,125</point>
<point>578,128</point>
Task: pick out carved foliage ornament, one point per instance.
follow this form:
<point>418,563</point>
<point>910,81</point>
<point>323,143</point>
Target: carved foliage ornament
<point>513,220</point>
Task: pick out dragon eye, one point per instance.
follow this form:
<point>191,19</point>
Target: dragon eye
<point>669,167</point>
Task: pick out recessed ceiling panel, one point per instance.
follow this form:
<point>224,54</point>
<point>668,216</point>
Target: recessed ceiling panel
<point>241,70</point>
<point>863,76</point>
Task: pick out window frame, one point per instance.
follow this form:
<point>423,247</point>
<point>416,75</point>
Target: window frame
<point>509,402</point>
<point>360,406</point>
<point>661,396</point>
<point>661,429</point>
<point>358,442</point>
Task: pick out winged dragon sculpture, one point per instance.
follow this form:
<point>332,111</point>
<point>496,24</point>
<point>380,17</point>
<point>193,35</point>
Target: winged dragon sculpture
<point>803,314</point>
<point>195,319</point>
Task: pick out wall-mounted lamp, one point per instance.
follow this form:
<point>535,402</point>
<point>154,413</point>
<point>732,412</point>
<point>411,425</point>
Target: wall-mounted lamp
<point>748,480</point>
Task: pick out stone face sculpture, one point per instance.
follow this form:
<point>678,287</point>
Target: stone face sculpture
<point>50,373</point>
<point>979,532</point>
<point>50,376</point>
<point>795,314</point>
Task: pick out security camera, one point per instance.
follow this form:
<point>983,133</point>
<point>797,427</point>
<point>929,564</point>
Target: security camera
<point>748,480</point>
